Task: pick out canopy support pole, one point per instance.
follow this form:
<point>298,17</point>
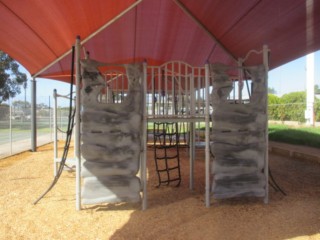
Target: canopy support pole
<point>207,139</point>
<point>266,166</point>
<point>77,126</point>
<point>33,115</point>
<point>309,113</point>
<point>145,139</point>
<point>55,133</point>
<point>192,130</point>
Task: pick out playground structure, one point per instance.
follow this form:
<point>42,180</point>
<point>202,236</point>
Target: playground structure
<point>238,137</point>
<point>174,92</point>
<point>111,138</point>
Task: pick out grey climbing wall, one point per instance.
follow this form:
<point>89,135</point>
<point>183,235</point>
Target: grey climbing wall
<point>110,134</point>
<point>238,137</point>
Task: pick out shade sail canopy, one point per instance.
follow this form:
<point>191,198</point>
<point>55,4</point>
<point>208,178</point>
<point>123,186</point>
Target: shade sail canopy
<point>39,34</point>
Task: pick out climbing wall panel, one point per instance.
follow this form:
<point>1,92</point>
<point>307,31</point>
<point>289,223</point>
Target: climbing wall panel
<point>111,142</point>
<point>238,138</point>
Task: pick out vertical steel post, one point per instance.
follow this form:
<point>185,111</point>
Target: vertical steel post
<point>166,90</point>
<point>159,91</point>
<point>55,133</point>
<point>309,113</point>
<point>207,146</point>
<point>153,95</point>
<point>10,124</point>
<point>187,91</point>
<point>50,119</point>
<point>198,98</point>
<point>33,115</point>
<point>144,137</point>
<point>117,90</point>
<point>180,109</point>
<point>240,80</point>
<point>77,125</point>
<point>192,129</point>
<point>266,167</point>
<point>173,90</point>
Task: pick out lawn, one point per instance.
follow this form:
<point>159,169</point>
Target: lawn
<point>308,136</point>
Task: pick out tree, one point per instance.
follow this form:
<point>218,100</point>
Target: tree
<point>271,90</point>
<point>11,79</point>
<point>317,109</point>
<point>275,111</point>
<point>21,104</point>
<point>295,104</point>
<point>21,107</point>
<point>4,112</point>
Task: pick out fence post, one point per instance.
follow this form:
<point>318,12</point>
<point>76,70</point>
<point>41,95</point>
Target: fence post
<point>10,125</point>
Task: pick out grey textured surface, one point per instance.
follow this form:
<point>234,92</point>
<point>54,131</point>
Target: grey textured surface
<point>238,137</point>
<point>110,189</point>
<point>111,143</point>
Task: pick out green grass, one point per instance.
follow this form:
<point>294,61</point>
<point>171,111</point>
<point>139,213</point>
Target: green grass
<point>308,136</point>
<point>183,126</point>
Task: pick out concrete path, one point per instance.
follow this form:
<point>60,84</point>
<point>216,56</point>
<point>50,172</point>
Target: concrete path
<point>16,147</point>
<point>295,151</point>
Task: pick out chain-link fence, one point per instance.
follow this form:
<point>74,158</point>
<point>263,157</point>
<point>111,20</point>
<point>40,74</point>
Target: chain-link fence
<point>15,125</point>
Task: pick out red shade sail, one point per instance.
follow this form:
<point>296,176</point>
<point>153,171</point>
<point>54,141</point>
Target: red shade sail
<point>39,34</point>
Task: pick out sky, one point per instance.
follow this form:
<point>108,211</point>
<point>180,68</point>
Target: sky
<point>287,78</point>
<point>291,77</point>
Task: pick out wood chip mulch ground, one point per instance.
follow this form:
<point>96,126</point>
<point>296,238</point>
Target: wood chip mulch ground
<point>173,212</point>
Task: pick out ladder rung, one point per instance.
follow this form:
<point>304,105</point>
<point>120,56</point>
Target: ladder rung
<point>168,169</point>
<point>166,157</point>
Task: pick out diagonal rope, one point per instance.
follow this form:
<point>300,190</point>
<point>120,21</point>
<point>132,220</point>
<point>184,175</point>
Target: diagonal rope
<point>68,137</point>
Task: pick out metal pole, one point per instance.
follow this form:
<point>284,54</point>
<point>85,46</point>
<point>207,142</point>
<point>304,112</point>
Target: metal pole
<point>166,104</point>
<point>240,81</point>
<point>159,91</point>
<point>33,115</point>
<point>144,137</point>
<point>179,91</point>
<point>153,92</point>
<point>309,114</point>
<point>55,133</point>
<point>266,167</point>
<point>191,153</point>
<point>207,151</point>
<point>77,125</point>
<point>10,125</point>
<point>50,119</point>
<point>192,130</point>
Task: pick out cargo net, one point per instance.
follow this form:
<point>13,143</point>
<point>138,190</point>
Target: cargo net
<point>166,153</point>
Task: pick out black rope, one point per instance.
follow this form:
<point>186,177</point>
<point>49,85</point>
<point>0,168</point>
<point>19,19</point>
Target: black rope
<point>68,137</point>
<point>274,184</point>
<point>245,76</point>
<point>167,137</point>
<point>60,130</point>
